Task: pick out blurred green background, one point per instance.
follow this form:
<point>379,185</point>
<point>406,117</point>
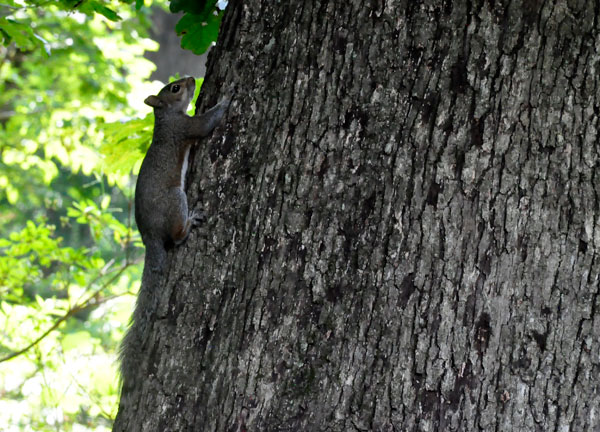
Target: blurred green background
<point>73,131</point>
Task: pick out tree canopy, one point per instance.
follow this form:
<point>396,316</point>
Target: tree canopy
<point>73,130</point>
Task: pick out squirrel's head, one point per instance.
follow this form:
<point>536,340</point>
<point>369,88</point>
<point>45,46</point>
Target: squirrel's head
<point>175,96</point>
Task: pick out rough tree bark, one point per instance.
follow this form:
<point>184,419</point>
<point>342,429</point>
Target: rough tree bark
<point>402,225</point>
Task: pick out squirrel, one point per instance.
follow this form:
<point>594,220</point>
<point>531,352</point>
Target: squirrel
<point>161,208</point>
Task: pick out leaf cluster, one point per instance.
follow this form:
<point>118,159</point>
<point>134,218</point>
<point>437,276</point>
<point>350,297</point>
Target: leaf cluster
<point>72,78</point>
<point>199,26</point>
<point>68,256</point>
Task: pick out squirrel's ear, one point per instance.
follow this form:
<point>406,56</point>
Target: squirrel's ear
<point>154,102</point>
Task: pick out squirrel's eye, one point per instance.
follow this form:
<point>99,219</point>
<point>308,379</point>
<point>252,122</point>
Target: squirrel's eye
<point>175,88</point>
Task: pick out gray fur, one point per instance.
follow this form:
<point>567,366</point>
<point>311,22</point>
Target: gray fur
<point>161,210</point>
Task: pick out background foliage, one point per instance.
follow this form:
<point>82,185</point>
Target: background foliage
<point>72,82</point>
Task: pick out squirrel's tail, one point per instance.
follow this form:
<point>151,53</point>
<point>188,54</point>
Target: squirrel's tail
<point>133,344</point>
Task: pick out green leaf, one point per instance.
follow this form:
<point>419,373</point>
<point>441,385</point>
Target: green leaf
<point>21,34</point>
<point>103,10</point>
<point>192,6</point>
<point>199,31</point>
<point>105,202</point>
<point>98,6</point>
<point>125,143</point>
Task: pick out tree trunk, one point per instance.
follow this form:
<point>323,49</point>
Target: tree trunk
<point>402,225</point>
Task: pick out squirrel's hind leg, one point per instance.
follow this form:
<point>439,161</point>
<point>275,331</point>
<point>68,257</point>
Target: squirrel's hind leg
<point>181,221</point>
<point>193,219</point>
